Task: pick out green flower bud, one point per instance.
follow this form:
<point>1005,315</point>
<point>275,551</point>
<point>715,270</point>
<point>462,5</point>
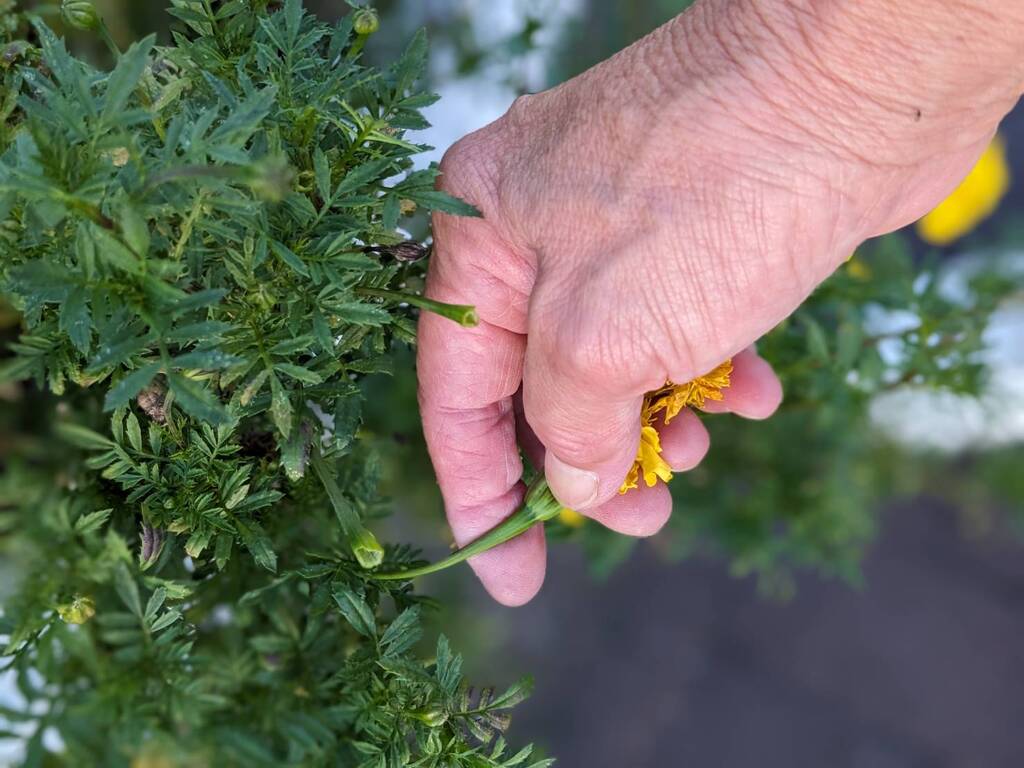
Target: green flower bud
<point>80,14</point>
<point>433,717</point>
<point>365,21</point>
<point>271,179</point>
<point>78,611</point>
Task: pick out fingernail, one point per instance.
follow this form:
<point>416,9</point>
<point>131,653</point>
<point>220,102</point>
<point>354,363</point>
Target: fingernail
<point>574,487</point>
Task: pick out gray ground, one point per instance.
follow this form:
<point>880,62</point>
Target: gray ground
<point>667,666</point>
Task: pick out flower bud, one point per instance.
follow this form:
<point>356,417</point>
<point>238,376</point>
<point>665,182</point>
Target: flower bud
<point>80,14</point>
<point>365,21</point>
<point>271,179</point>
<point>78,611</point>
<point>433,717</point>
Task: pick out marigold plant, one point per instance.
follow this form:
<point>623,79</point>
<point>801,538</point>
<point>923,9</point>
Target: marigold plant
<point>204,248</point>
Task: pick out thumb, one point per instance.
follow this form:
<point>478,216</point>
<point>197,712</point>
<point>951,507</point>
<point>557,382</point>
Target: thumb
<point>588,422</point>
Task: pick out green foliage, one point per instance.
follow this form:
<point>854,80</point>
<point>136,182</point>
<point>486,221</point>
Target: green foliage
<point>202,245</point>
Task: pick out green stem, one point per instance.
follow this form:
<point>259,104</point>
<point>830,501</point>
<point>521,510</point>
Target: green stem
<point>539,506</point>
<point>463,314</point>
<point>193,172</point>
<point>108,40</point>
<point>364,544</point>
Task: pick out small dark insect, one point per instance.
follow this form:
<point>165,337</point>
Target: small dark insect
<point>408,251</point>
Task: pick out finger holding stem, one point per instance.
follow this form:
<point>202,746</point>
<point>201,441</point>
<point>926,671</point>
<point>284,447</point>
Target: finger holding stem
<point>539,506</point>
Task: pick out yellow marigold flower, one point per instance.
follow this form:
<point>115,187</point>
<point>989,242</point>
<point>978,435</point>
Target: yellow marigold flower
<point>972,202</point>
<point>671,399</point>
<point>571,518</point>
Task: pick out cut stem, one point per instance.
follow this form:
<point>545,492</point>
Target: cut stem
<point>463,314</point>
<point>539,506</point>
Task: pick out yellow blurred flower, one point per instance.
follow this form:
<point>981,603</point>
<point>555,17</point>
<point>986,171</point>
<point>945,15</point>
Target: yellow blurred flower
<point>858,269</point>
<point>972,202</point>
<point>571,518</point>
<point>152,759</point>
<point>78,611</point>
<point>671,399</point>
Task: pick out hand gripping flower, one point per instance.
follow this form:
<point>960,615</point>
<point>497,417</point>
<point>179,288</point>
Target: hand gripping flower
<point>540,505</point>
<point>669,401</point>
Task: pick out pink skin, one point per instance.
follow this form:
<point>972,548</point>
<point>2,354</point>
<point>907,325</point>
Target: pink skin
<point>659,213</point>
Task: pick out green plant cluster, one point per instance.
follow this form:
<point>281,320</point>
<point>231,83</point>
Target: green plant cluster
<point>202,260</point>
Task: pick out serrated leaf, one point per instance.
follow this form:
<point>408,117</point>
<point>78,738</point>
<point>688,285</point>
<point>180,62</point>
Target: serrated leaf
<point>412,63</point>
<point>199,300</point>
<point>258,545</point>
<point>289,257</point>
<point>197,542</point>
<point>169,617</point>
<point>254,386</point>
<point>127,589</point>
<point>82,437</point>
<point>348,415</point>
<point>363,314</point>
<point>355,610</point>
<point>205,330</point>
<point>280,407</point>
<point>196,400</point>
<point>322,171</point>
<point>403,633</point>
<point>299,373</point>
<point>449,666</point>
<point>292,19</point>
<point>243,121</point>
<point>374,170</point>
<point>155,602</point>
<point>436,200</point>
<point>295,452</point>
<point>204,360</point>
<point>322,332</point>
<point>134,431</point>
<point>75,319</point>
<point>516,694</point>
<point>92,521</point>
<point>135,229</point>
<point>125,77</point>
<point>222,550</point>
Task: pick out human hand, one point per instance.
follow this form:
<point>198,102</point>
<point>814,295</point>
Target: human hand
<point>643,223</point>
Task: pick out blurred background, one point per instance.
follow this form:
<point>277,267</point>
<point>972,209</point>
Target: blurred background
<point>840,586</point>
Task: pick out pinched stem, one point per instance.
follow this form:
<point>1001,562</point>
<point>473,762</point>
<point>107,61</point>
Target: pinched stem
<point>539,506</point>
<point>463,314</point>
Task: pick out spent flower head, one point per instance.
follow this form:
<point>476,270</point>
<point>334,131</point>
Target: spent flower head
<point>667,402</point>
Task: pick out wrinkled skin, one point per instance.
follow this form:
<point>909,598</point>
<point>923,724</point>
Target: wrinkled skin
<point>658,214</point>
